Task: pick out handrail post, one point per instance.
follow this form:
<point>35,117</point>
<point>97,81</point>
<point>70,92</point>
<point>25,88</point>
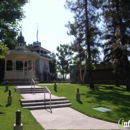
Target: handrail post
<point>34,88</point>
<point>44,93</point>
<point>50,102</point>
<point>44,97</point>
<point>50,97</point>
<point>33,83</point>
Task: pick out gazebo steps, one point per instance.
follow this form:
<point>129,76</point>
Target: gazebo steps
<point>45,104</point>
<point>42,100</point>
<point>31,90</point>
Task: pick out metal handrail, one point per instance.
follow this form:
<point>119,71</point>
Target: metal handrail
<point>32,81</point>
<point>45,96</point>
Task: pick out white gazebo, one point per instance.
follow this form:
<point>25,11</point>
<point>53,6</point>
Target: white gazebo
<point>20,64</point>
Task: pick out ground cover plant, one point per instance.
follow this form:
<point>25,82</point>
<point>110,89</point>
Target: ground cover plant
<point>7,112</point>
<point>109,96</point>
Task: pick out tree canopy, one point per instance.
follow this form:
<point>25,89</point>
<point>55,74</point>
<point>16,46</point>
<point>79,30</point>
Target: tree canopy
<point>63,59</point>
<point>3,49</point>
<point>85,31</point>
<point>117,39</point>
<point>11,13</point>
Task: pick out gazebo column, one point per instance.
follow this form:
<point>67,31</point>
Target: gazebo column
<point>32,67</point>
<point>27,67</point>
<point>14,68</point>
<point>14,65</point>
<point>23,68</point>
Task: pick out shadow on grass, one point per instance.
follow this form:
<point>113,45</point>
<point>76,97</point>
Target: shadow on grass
<point>113,88</point>
<point>117,97</point>
<point>124,112</point>
<point>80,102</point>
<point>1,106</point>
<point>1,113</point>
<point>7,105</point>
<point>82,94</point>
<point>112,96</point>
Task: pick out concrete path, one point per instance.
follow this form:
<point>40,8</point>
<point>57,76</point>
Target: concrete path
<point>68,118</point>
<point>65,118</point>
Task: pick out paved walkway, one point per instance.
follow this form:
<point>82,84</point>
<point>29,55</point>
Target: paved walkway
<point>65,118</point>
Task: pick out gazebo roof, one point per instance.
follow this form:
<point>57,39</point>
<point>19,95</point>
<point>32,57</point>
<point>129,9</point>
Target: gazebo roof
<point>22,54</point>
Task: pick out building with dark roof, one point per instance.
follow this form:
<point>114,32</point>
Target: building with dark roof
<point>102,74</point>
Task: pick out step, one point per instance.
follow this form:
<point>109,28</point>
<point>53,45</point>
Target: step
<point>42,100</point>
<point>45,103</point>
<point>21,89</point>
<point>48,106</point>
<point>30,90</point>
<point>41,103</point>
<point>24,92</point>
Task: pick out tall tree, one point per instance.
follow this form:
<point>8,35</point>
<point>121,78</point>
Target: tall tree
<point>84,29</point>
<point>11,13</point>
<point>63,59</point>
<point>116,15</point>
<point>3,49</point>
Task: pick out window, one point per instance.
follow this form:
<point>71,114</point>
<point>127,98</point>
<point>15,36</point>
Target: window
<point>45,66</point>
<point>9,65</point>
<point>19,65</point>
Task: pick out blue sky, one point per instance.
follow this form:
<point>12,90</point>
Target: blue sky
<point>51,17</point>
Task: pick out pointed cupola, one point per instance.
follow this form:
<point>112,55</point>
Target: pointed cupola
<point>21,44</point>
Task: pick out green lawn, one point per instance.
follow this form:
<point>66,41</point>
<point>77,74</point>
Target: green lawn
<point>8,118</point>
<point>115,98</point>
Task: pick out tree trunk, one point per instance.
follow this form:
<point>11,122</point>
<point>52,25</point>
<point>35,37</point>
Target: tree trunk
<point>128,83</point>
<point>91,85</point>
<point>85,69</point>
<point>88,44</point>
<point>81,78</point>
<point>123,42</point>
<point>117,80</point>
<point>63,77</point>
<point>127,68</point>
